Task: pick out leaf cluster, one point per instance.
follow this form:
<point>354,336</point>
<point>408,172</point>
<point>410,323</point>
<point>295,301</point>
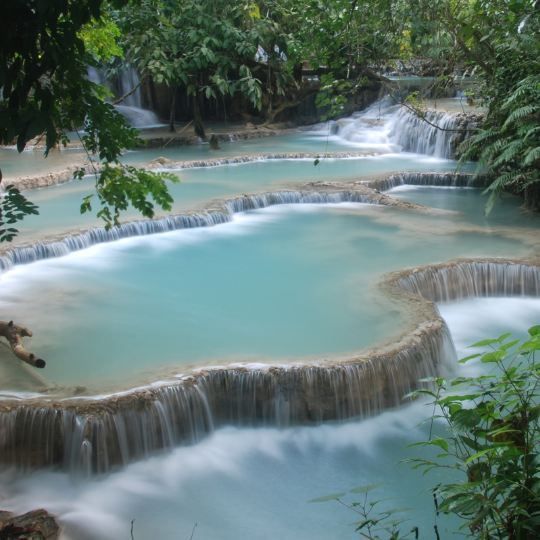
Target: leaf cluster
<point>14,206</point>
<point>375,523</point>
<point>207,47</point>
<point>45,49</point>
<point>494,440</point>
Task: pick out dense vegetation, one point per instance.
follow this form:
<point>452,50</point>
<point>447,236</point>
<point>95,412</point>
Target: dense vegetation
<point>249,56</point>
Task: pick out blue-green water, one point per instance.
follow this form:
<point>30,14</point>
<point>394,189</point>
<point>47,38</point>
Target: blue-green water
<point>257,483</point>
<point>59,205</point>
<point>281,284</point>
<point>507,211</point>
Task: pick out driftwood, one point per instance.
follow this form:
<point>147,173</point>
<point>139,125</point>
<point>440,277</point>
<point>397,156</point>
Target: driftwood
<point>14,334</point>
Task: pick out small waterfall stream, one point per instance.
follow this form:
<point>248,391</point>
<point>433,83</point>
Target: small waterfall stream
<point>317,193</point>
<point>433,135</point>
<point>97,435</point>
<point>131,106</point>
<point>387,127</point>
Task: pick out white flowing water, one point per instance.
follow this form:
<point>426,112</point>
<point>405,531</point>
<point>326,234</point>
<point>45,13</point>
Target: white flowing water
<point>386,127</point>
<point>138,117</point>
<point>131,107</point>
<point>59,205</point>
<point>258,483</point>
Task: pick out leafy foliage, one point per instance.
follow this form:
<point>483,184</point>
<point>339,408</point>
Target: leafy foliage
<point>119,186</point>
<point>509,145</point>
<point>14,206</point>
<point>374,523</point>
<point>494,440</point>
<point>45,90</point>
<point>497,42</point>
<point>208,48</point>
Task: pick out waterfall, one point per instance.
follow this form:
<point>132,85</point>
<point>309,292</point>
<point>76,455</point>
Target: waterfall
<point>128,79</point>
<point>168,164</point>
<point>131,106</point>
<point>448,179</point>
<point>137,117</point>
<point>387,127</point>
<point>94,436</point>
<point>431,135</point>
<point>221,212</point>
<point>442,283</point>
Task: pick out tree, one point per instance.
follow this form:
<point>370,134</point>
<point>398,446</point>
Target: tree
<point>497,41</point>
<point>45,93</point>
<point>206,48</point>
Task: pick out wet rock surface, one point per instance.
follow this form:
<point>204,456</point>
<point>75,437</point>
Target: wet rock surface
<point>34,525</point>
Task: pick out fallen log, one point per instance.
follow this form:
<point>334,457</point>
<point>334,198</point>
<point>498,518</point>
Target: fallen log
<point>14,334</point>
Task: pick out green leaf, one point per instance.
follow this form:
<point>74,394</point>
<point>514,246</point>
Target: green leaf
<point>485,342</point>
<point>365,489</point>
<point>326,498</point>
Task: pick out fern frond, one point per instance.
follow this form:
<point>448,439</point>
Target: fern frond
<point>530,84</point>
<point>532,155</point>
<point>522,112</point>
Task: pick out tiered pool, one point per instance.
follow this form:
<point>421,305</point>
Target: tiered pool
<point>270,291</point>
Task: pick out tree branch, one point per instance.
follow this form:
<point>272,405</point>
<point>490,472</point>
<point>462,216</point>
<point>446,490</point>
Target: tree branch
<point>131,92</point>
<point>422,116</point>
<point>14,334</point>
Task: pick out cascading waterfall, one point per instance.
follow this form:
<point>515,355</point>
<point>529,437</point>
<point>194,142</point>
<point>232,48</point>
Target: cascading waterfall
<point>128,80</point>
<point>217,214</point>
<point>168,164</point>
<point>464,279</point>
<point>95,436</point>
<point>131,107</point>
<point>432,135</point>
<point>444,179</point>
<point>222,213</point>
<point>387,127</point>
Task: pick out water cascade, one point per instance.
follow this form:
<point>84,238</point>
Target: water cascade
<point>426,179</point>
<point>386,127</point>
<point>216,213</point>
<point>431,135</point>
<point>464,279</point>
<point>96,434</point>
<point>139,118</point>
<point>128,80</point>
<point>131,106</point>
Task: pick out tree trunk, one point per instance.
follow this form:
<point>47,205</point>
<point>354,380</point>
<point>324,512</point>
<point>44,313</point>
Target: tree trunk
<point>14,335</point>
<point>172,112</point>
<point>197,119</point>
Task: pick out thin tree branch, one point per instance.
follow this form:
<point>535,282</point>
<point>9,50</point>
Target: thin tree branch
<point>130,93</point>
